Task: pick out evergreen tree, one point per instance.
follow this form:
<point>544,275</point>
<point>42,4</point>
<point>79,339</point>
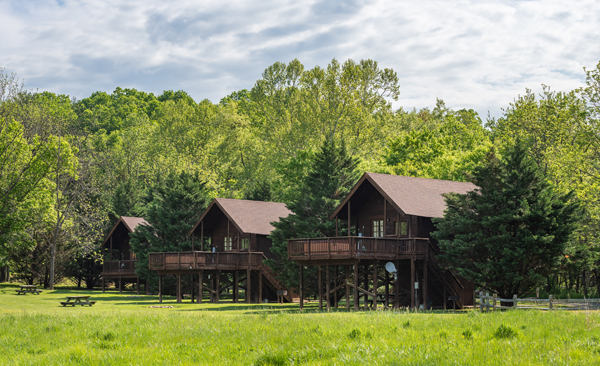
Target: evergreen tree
<point>331,176</point>
<point>510,233</point>
<point>172,207</point>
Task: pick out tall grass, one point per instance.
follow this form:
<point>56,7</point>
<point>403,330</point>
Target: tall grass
<point>120,330</point>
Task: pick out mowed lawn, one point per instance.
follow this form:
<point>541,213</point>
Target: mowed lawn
<point>124,330</point>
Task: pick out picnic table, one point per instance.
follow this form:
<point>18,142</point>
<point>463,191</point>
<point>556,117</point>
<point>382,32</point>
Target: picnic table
<point>28,289</point>
<point>78,300</point>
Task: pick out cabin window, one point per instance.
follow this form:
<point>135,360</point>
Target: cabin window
<point>377,228</point>
<point>228,244</point>
<point>245,243</point>
<point>402,228</point>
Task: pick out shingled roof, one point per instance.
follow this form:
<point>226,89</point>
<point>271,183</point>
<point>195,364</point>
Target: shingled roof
<point>413,196</point>
<point>131,223</point>
<point>251,217</point>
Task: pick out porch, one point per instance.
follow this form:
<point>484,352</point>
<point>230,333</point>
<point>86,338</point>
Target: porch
<point>356,248</point>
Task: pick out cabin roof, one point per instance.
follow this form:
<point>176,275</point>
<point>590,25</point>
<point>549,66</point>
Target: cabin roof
<point>413,196</point>
<point>131,223</point>
<point>250,217</point>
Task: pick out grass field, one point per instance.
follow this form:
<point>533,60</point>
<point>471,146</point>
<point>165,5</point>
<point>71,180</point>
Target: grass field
<point>124,330</point>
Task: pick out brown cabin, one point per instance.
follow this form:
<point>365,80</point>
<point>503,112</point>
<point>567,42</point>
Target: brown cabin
<point>230,237</point>
<point>119,260</point>
<point>390,221</point>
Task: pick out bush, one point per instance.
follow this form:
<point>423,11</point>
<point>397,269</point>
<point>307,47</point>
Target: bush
<point>504,332</point>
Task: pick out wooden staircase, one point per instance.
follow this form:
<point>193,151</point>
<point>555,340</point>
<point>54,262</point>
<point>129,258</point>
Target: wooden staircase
<point>269,275</point>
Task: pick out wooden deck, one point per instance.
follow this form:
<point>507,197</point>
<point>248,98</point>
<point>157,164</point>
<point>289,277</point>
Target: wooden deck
<point>195,261</point>
<point>356,248</point>
<point>119,268</point>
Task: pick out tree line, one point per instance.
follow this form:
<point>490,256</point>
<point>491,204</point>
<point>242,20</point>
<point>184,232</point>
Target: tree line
<point>69,168</point>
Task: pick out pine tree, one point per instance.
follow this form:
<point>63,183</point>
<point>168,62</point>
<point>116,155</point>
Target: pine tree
<point>510,233</point>
<point>332,174</point>
<point>171,206</point>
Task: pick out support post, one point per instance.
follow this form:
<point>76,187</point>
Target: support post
<point>375,284</point>
<point>217,286</point>
<point>347,288</point>
<point>236,289</point>
<point>147,288</point>
<point>425,263</point>
<point>356,287</point>
<point>327,288</point>
<point>335,284</point>
<point>260,279</point>
<point>320,288</point>
<point>200,289</point>
<point>103,284</point>
<point>120,285</point>
<point>179,288</point>
<point>366,286</point>
<point>397,288</point>
<point>193,289</point>
<point>159,288</point>
<point>386,302</point>
<point>412,284</point>
<point>301,288</point>
<point>137,285</point>
<point>248,286</point>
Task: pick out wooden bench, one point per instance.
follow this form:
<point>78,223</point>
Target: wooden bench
<point>77,300</point>
<point>28,289</point>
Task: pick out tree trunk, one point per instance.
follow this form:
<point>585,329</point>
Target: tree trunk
<point>584,284</point>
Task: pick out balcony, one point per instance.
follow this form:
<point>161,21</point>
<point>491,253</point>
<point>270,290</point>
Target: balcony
<point>190,261</point>
<point>119,268</point>
<point>358,247</point>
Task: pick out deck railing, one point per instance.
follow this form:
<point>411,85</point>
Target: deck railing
<point>202,260</point>
<point>126,267</point>
<point>356,247</point>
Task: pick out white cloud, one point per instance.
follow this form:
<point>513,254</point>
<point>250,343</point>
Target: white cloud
<point>472,54</point>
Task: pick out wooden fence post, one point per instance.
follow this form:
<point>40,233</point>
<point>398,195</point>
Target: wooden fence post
<point>494,307</point>
<point>550,298</point>
<point>481,301</point>
<point>515,301</point>
<point>487,302</point>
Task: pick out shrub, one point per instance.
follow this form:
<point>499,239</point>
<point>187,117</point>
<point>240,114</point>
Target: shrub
<point>504,332</point>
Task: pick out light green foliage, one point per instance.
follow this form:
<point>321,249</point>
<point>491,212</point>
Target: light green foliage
<point>120,330</point>
<point>447,149</point>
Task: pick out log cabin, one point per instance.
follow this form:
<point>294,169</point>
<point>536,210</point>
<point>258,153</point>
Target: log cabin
<point>390,221</point>
<point>119,260</point>
<point>229,244</point>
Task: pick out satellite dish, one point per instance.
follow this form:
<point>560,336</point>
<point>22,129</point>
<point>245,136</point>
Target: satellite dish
<point>390,267</point>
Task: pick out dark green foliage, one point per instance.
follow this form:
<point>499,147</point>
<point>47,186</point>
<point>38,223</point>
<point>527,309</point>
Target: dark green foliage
<point>85,267</point>
<point>511,233</point>
<point>171,206</point>
<point>331,176</point>
<point>505,332</point>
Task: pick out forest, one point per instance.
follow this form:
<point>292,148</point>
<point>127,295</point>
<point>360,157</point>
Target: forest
<point>69,168</point>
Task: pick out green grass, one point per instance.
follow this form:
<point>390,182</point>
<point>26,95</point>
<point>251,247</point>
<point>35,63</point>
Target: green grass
<point>122,330</point>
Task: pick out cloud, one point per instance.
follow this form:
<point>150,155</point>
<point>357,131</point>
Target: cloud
<point>472,54</point>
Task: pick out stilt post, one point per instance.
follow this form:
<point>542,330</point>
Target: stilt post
<point>301,287</point>
<point>159,288</point>
<point>327,288</point>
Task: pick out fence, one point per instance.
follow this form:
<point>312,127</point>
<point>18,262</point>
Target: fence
<point>493,302</point>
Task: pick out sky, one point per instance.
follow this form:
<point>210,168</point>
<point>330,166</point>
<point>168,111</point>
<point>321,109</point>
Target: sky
<point>472,54</point>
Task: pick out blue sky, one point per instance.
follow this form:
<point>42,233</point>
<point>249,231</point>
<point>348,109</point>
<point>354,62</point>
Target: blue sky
<point>471,54</point>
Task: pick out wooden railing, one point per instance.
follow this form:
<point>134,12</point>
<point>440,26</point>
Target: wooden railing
<point>356,247</point>
<point>204,260</point>
<point>119,267</point>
